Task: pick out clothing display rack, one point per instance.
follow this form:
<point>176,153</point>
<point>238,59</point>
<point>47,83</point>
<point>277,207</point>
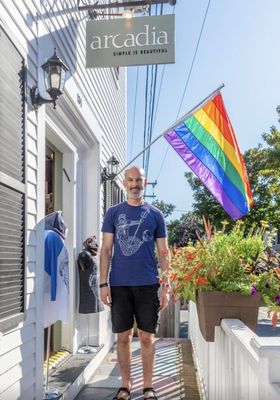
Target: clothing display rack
<point>87,349</point>
<point>49,393</point>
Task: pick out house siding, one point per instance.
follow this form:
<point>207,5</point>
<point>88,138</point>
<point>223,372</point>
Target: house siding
<point>36,27</point>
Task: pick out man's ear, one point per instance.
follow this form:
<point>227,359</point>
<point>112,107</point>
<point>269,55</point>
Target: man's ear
<point>145,181</point>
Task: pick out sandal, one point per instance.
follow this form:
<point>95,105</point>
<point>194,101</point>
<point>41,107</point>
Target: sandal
<point>150,389</point>
<point>122,389</point>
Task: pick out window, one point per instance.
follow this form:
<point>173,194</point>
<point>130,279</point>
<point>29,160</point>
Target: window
<point>12,184</point>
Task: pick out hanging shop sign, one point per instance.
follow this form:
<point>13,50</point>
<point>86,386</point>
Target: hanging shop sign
<point>133,41</point>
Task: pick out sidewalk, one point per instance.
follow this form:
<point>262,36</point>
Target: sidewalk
<point>174,373</point>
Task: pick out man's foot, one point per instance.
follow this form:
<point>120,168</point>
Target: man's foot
<point>122,394</point>
<point>149,393</point>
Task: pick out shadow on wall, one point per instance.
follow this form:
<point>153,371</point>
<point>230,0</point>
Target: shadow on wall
<point>61,20</point>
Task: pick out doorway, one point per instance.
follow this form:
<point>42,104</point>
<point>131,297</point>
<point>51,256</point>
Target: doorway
<point>53,202</point>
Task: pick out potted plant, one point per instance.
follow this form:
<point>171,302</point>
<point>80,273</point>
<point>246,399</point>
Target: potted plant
<point>227,274</point>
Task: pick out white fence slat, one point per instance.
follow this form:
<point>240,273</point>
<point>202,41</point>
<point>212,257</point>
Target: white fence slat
<point>238,364</point>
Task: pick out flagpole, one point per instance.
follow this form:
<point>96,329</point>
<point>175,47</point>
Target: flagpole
<point>173,126</point>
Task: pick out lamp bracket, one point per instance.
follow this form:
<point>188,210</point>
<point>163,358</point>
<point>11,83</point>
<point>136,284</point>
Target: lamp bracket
<point>37,100</point>
<point>124,4</point>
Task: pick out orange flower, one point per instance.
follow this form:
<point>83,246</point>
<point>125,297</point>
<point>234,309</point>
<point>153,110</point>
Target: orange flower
<point>190,256</point>
<point>201,281</point>
<point>248,268</point>
<point>172,277</point>
<point>187,277</point>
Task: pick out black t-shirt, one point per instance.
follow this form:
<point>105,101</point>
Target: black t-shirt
<point>89,284</point>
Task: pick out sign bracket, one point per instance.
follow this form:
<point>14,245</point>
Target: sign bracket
<point>83,6</point>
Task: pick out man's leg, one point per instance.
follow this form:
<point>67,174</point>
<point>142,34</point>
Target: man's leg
<point>148,358</point>
<point>124,359</point>
<point>146,314</point>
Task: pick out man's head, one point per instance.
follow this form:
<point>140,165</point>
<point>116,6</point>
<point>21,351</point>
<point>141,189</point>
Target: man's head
<point>134,182</point>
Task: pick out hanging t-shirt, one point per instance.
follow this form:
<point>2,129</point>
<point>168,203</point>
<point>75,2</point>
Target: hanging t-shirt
<point>135,229</point>
<point>56,279</point>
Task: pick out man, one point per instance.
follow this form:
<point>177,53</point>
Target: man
<point>133,228</point>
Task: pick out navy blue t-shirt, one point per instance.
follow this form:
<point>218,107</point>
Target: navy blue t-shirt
<point>135,229</point>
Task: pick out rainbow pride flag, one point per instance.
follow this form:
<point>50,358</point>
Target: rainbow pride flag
<point>207,143</point>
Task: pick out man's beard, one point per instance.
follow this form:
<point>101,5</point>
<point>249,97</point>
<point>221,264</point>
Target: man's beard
<point>132,195</point>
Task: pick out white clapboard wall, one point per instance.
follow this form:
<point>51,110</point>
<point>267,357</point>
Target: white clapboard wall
<point>29,23</point>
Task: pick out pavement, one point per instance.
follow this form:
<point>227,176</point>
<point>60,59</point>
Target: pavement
<point>174,377</point>
<point>174,372</point>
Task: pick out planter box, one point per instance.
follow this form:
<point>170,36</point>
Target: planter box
<point>212,307</point>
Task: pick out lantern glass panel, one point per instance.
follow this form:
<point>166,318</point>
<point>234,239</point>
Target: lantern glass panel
<point>113,166</point>
<point>47,78</point>
<point>62,79</point>
<point>114,169</point>
<point>110,169</point>
<point>55,73</point>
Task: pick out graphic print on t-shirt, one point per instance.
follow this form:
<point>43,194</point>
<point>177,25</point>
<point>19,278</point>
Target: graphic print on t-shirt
<point>128,241</point>
<point>92,280</point>
<point>63,268</point>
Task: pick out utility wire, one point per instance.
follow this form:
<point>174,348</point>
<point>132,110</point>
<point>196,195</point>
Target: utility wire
<point>187,83</point>
<point>134,112</point>
<point>150,112</point>
<point>159,91</point>
<point>190,72</point>
<point>148,117</point>
<point>151,117</point>
<point>155,114</point>
<point>152,105</point>
<point>145,115</point>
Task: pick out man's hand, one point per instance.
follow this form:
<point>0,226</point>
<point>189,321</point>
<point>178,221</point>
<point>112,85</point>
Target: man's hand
<point>105,296</point>
<point>164,298</point>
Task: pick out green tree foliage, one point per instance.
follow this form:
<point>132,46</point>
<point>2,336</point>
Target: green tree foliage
<point>263,167</point>
<point>204,203</point>
<point>166,208</point>
<point>185,229</point>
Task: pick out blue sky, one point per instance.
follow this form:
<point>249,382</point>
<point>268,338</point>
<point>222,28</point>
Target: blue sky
<point>240,47</point>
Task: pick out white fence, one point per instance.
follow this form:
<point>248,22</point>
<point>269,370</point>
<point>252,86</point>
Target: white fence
<point>239,365</point>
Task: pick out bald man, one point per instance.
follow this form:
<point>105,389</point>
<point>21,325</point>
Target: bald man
<point>131,231</point>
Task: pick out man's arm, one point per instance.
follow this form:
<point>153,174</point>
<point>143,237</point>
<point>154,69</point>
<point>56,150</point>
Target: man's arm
<point>165,264</point>
<point>105,258</point>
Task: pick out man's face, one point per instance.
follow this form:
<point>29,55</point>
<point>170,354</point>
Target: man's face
<point>134,182</point>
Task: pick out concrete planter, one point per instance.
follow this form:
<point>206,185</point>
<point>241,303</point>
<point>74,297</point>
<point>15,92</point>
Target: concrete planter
<point>212,307</point>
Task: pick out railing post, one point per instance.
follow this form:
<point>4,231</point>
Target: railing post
<point>268,350</point>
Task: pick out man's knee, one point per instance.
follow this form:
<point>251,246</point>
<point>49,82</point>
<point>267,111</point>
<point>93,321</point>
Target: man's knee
<point>125,337</point>
<point>146,338</point>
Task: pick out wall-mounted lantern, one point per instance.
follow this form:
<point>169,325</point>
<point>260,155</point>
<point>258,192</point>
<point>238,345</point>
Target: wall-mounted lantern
<point>111,171</point>
<point>54,78</point>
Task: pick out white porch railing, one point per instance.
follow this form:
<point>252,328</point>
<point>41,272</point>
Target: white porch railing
<point>239,365</point>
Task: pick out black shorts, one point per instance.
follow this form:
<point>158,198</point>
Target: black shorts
<point>135,302</point>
